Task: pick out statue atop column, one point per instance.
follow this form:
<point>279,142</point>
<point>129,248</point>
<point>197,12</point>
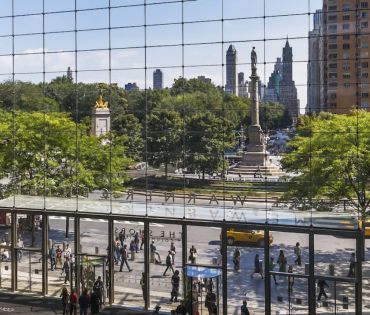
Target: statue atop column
<point>254,60</point>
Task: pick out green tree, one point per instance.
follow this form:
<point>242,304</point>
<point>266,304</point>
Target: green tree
<point>207,137</point>
<point>274,116</point>
<point>164,138</point>
<point>330,157</point>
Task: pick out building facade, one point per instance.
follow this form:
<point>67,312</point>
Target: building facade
<point>243,86</point>
<point>288,90</point>
<point>158,79</point>
<point>231,70</point>
<point>344,57</point>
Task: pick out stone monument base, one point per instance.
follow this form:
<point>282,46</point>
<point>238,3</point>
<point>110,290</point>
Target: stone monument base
<point>255,159</point>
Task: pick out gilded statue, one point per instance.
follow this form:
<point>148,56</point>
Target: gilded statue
<point>100,103</point>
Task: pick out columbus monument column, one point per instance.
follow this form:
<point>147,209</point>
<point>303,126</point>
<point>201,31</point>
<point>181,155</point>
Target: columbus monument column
<point>256,150</point>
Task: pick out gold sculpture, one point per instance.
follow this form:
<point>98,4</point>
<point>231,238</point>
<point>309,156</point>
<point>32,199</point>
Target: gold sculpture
<point>100,103</point>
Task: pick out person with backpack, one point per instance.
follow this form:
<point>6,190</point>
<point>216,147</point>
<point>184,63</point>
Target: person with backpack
<point>73,299</point>
<point>98,289</point>
<point>169,263</point>
<point>52,256</point>
<point>59,253</point>
<point>124,258</point>
<point>175,281</point>
<point>66,269</point>
<point>65,300</point>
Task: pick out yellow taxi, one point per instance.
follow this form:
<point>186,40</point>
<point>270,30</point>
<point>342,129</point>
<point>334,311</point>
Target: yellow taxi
<point>246,236</point>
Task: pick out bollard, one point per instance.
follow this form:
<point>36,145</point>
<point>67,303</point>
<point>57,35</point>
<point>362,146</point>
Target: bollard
<point>345,302</point>
<point>64,246</point>
<point>97,250</point>
<point>214,261</point>
<point>306,269</point>
<point>7,238</point>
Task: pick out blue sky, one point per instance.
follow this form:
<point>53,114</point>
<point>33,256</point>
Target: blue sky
<point>204,59</point>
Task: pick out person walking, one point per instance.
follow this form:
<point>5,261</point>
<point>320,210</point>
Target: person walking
<point>352,265</point>
<point>66,269</point>
<point>210,302</point>
<point>282,261</point>
<point>20,246</point>
<point>67,252</point>
<point>122,236</point>
<point>52,257</point>
<point>73,299</point>
<point>173,251</point>
<point>257,266</point>
<point>271,268</point>
<point>169,263</point>
<point>236,259</point>
<point>290,280</point>
<point>322,284</point>
<point>98,289</point>
<point>244,309</point>
<point>142,237</point>
<point>117,251</point>
<point>59,253</point>
<point>142,285</point>
<point>124,258</point>
<point>95,303</point>
<point>136,241</point>
<point>193,255</point>
<point>83,302</point>
<point>175,281</point>
<point>65,300</point>
<point>154,253</point>
<point>298,254</point>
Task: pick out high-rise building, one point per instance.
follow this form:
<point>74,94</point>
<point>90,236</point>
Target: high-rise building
<point>204,79</point>
<point>313,66</point>
<point>288,90</point>
<point>131,86</point>
<point>231,71</point>
<point>272,92</point>
<point>344,56</point>
<point>242,86</point>
<point>157,79</point>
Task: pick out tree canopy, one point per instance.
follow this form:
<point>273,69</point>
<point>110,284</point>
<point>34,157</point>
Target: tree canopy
<point>330,157</point>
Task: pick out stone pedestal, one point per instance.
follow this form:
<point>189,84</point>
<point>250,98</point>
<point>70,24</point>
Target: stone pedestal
<point>100,121</point>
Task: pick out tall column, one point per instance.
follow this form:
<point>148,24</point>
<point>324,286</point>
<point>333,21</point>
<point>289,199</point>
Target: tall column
<point>224,269</point>
<point>14,262</point>
<point>184,240</point>
<point>255,101</point>
<point>267,271</point>
<point>111,260</point>
<point>311,277</point>
<point>77,253</point>
<point>45,250</point>
<point>147,264</point>
<point>359,259</point>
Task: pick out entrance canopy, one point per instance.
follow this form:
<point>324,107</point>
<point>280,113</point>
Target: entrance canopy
<point>202,272</point>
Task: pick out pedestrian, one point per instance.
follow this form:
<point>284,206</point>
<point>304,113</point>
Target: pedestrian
<point>271,268</point>
<point>210,302</point>
<point>95,303</point>
<point>122,236</point>
<point>65,299</point>
<point>20,246</point>
<point>290,279</point>
<point>175,281</point>
<point>83,301</point>
<point>257,266</point>
<point>173,251</point>
<point>193,255</point>
<point>136,241</point>
<point>142,240</point>
<point>73,299</point>
<point>66,269</point>
<point>298,254</point>
<point>52,257</point>
<point>142,284</point>
<point>236,259</point>
<point>154,253</point>
<point>132,250</point>
<point>67,252</point>
<point>117,251</point>
<point>59,253</point>
<point>244,309</point>
<point>124,258</point>
<point>169,263</point>
<point>352,265</point>
<point>322,284</point>
<point>98,289</point>
<point>116,233</point>
<point>181,309</point>
<point>282,261</point>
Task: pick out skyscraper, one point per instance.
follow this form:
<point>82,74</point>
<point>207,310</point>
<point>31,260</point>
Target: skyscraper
<point>157,79</point>
<point>242,85</point>
<point>344,56</point>
<point>231,71</point>
<point>288,90</point>
<point>313,66</point>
